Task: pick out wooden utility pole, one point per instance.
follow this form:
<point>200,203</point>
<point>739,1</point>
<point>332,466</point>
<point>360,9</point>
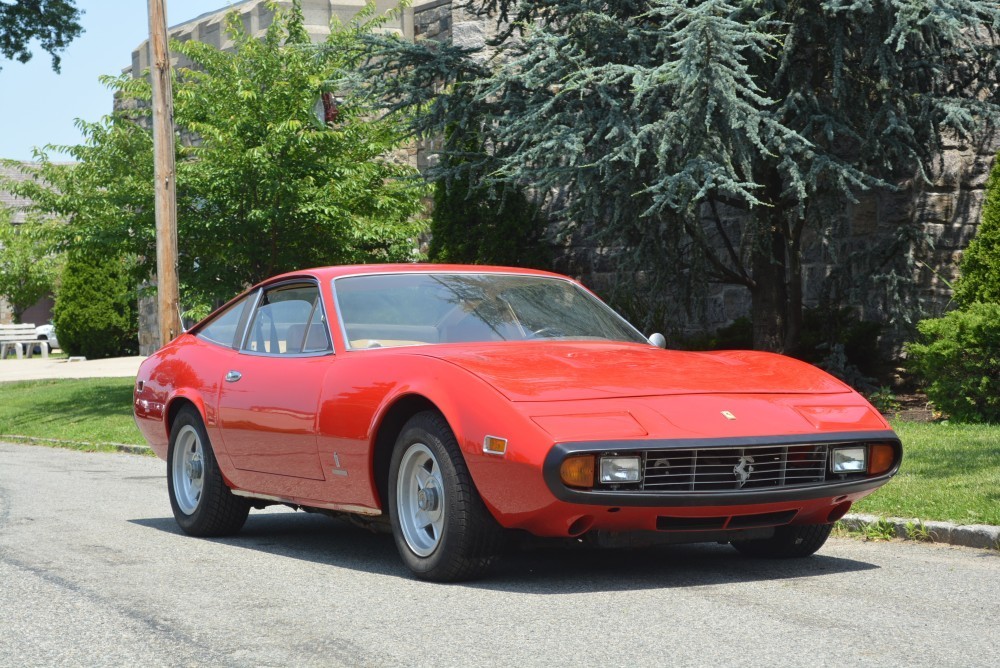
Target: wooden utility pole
<point>167,292</point>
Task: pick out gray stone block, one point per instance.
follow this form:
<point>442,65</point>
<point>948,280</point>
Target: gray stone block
<point>468,35</point>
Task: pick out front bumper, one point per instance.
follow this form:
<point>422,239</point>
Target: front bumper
<point>576,511</point>
<point>738,494</point>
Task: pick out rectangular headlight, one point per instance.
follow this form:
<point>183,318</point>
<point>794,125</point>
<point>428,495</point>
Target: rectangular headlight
<point>620,469</point>
<point>850,460</point>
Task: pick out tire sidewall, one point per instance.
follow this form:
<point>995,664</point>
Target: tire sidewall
<point>191,523</point>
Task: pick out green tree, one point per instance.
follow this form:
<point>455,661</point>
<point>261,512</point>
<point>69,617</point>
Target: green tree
<point>980,279</point>
<point>53,23</point>
<point>705,138</point>
<point>263,185</point>
<point>28,267</point>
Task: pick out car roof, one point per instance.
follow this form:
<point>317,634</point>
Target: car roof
<point>327,273</point>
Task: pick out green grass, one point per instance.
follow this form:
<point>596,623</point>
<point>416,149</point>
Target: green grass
<point>950,472</point>
<point>89,410</point>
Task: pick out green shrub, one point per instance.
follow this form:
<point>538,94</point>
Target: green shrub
<point>980,280</point>
<point>95,311</point>
<point>959,359</point>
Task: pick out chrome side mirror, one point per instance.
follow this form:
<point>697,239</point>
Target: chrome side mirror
<point>658,340</point>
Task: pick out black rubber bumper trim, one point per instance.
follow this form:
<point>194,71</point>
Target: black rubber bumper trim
<point>560,451</point>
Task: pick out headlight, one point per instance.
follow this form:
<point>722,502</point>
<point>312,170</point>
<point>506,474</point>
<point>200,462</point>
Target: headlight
<point>620,469</point>
<point>849,460</point>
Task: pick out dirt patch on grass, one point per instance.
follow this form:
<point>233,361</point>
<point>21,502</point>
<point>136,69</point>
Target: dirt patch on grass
<point>915,407</point>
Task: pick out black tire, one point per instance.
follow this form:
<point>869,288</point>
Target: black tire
<point>788,542</point>
<point>212,510</point>
<point>464,539</point>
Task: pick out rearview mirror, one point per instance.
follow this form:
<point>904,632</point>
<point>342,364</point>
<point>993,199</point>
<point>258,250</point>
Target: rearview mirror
<point>658,340</point>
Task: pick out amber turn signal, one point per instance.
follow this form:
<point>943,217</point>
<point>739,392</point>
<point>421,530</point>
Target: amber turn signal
<point>577,471</point>
<point>880,458</point>
<point>494,445</point>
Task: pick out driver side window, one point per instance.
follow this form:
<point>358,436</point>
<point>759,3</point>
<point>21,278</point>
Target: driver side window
<point>289,320</point>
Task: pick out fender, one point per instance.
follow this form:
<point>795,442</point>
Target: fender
<point>436,380</point>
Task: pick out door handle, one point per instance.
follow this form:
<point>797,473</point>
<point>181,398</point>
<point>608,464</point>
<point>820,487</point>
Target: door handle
<point>233,376</point>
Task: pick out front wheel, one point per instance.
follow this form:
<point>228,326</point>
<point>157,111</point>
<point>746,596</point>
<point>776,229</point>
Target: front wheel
<point>788,542</point>
<point>202,503</point>
<point>442,529</point>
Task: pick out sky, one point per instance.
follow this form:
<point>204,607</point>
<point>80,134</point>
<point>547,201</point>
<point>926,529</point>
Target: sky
<point>38,106</point>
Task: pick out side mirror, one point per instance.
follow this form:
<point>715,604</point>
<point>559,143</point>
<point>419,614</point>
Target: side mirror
<point>658,340</point>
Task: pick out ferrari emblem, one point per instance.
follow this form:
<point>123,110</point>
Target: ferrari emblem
<point>743,469</point>
<point>728,415</point>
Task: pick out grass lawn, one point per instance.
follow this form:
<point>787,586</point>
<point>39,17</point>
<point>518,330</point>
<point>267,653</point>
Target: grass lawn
<point>88,410</point>
<point>949,472</point>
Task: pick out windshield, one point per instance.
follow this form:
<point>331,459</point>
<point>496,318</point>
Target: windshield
<point>414,309</point>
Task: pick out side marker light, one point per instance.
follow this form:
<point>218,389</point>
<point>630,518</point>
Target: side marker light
<point>494,445</point>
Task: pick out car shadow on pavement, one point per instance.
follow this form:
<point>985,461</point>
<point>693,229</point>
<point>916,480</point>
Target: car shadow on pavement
<point>557,568</point>
<point>307,536</point>
<point>566,570</point>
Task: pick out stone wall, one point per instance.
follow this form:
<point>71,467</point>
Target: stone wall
<point>943,216</point>
<point>432,20</point>
<point>919,232</point>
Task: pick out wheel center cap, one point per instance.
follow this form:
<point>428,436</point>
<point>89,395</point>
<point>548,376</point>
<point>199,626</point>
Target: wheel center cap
<point>193,469</point>
<point>427,499</point>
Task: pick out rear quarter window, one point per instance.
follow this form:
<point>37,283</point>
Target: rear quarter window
<point>222,328</point>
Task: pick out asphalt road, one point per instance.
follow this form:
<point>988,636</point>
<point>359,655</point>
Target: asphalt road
<point>93,572</point>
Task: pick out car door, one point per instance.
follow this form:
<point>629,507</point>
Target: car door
<point>269,399</point>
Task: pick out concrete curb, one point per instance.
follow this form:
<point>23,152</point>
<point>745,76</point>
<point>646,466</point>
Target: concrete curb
<point>63,443</point>
<point>982,536</point>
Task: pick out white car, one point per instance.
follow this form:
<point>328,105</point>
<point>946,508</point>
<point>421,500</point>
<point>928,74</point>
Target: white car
<point>47,333</point>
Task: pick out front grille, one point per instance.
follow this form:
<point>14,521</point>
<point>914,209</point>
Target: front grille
<point>718,469</point>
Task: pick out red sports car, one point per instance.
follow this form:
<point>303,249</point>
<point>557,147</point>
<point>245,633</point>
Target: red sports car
<point>455,404</point>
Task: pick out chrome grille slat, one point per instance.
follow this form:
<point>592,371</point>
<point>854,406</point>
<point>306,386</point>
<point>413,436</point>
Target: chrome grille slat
<point>715,469</point>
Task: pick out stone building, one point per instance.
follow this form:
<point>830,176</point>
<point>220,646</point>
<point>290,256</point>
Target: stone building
<point>209,27</point>
<point>944,214</point>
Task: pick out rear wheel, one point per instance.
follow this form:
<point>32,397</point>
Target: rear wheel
<point>788,542</point>
<point>202,503</point>
<point>442,529</point>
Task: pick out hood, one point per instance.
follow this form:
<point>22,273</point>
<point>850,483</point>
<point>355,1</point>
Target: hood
<point>571,371</point>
